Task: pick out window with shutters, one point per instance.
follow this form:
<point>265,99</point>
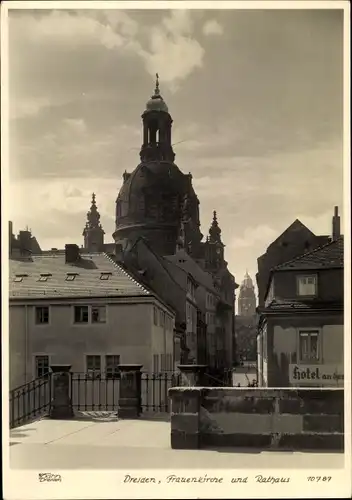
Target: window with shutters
<point>309,346</point>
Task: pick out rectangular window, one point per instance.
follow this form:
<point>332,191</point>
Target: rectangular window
<point>162,318</point>
<point>188,312</point>
<point>111,366</point>
<point>265,343</point>
<point>41,366</point>
<point>81,314</point>
<point>309,346</point>
<point>307,286</point>
<point>71,276</point>
<point>155,315</point>
<point>98,314</point>
<point>156,363</point>
<point>105,276</point>
<point>44,277</point>
<point>93,363</point>
<point>42,315</point>
<point>19,277</point>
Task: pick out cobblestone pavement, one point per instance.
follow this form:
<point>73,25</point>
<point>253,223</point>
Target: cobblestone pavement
<point>104,442</point>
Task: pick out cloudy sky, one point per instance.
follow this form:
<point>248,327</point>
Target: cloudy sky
<point>256,98</point>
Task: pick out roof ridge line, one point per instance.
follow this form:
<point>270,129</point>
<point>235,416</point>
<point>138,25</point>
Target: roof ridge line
<point>159,258</point>
<point>126,273</point>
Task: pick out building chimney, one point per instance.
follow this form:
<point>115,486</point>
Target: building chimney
<point>24,240</point>
<point>71,253</point>
<point>336,230</point>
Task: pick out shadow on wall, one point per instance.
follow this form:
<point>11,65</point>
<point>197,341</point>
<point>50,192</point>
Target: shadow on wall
<point>267,419</point>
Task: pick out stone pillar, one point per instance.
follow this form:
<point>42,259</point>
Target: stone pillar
<point>185,418</point>
<point>130,400</point>
<point>61,404</point>
<point>193,375</point>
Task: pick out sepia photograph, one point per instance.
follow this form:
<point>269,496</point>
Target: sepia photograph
<point>175,249</point>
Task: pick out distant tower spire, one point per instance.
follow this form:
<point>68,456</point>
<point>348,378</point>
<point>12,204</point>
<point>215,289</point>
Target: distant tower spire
<point>93,232</point>
<point>246,297</point>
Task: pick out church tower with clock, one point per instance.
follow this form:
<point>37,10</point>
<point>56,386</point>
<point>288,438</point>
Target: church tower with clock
<point>246,298</point>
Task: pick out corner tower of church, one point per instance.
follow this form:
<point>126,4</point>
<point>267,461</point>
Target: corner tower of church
<point>93,232</point>
<point>214,247</point>
<point>156,197</point>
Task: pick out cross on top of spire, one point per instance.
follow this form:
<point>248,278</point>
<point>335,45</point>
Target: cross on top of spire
<point>215,231</point>
<point>93,216</point>
<point>157,90</point>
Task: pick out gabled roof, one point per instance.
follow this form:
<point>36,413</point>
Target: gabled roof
<point>86,283</point>
<point>163,263</point>
<point>327,256</point>
<point>297,225</point>
<point>185,262</point>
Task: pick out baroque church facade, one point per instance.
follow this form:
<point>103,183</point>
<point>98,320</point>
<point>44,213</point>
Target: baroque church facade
<point>158,238</point>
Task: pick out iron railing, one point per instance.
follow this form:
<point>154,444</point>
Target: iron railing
<point>154,390</point>
<point>95,391</point>
<point>30,401</point>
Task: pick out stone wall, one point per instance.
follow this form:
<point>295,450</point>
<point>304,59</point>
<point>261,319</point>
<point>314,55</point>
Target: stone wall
<point>285,419</point>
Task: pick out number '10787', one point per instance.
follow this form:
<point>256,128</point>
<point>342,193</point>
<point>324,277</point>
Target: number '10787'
<point>319,478</point>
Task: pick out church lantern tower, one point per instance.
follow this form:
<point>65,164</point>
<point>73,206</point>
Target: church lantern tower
<point>151,198</point>
<point>157,124</point>
<point>214,247</point>
<point>246,298</point>
<point>93,232</point>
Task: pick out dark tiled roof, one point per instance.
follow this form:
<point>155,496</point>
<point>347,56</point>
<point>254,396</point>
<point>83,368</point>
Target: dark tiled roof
<point>327,256</point>
<point>297,225</point>
<point>285,304</point>
<point>182,260</point>
<point>87,282</point>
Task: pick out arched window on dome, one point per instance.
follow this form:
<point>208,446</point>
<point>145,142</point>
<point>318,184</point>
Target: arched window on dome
<point>151,208</point>
<point>122,208</point>
<point>118,209</point>
<point>141,204</point>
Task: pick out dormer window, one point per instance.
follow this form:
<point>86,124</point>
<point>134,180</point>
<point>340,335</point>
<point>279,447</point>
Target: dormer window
<point>71,276</point>
<point>307,285</point>
<point>19,277</point>
<point>105,276</point>
<point>44,277</point>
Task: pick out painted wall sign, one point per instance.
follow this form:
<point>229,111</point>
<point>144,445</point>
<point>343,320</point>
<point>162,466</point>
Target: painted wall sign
<point>316,375</point>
